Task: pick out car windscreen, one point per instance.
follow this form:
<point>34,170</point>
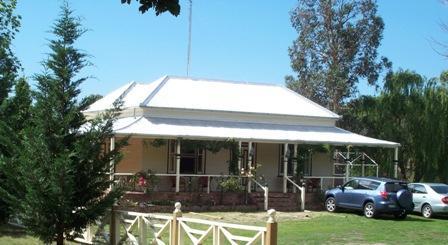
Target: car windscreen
<point>441,189</point>
<point>395,186</point>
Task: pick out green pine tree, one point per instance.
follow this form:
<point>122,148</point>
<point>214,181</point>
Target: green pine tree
<point>9,65</point>
<point>63,169</point>
<point>16,116</point>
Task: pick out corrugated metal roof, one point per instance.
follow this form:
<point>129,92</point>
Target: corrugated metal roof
<point>215,95</point>
<point>258,132</point>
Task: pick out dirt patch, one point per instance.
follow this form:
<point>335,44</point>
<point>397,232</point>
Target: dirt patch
<point>251,217</point>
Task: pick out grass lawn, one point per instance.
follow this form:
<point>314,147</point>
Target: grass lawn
<point>355,229</point>
<point>317,228</point>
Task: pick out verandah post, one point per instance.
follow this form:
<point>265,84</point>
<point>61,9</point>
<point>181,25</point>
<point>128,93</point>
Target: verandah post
<point>271,228</point>
<point>285,167</point>
<point>177,164</point>
<point>347,164</point>
<point>112,162</point>
<point>363,162</point>
<point>175,227</point>
<point>239,156</point>
<point>266,197</point>
<point>396,163</point>
<point>249,163</point>
<point>240,168</point>
<point>295,164</point>
<point>302,197</point>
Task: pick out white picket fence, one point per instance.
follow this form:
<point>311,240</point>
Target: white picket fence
<point>143,228</point>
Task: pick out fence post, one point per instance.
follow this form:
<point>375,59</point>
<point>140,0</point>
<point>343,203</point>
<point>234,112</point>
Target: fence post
<point>88,233</point>
<point>271,228</point>
<point>114,227</point>
<point>174,236</point>
<point>141,231</point>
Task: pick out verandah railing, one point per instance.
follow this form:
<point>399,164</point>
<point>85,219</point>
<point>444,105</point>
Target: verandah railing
<point>143,228</point>
<point>322,183</point>
<point>302,192</point>
<point>203,183</point>
<point>265,193</point>
<point>189,182</point>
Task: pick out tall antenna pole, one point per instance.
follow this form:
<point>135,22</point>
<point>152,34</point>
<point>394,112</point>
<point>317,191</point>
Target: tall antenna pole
<point>189,38</point>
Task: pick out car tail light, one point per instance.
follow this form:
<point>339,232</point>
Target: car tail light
<point>384,194</point>
<point>445,200</point>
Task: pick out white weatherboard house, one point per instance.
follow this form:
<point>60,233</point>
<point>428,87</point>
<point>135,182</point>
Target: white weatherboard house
<point>262,119</point>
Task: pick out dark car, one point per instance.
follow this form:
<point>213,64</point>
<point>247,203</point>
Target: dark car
<point>371,195</point>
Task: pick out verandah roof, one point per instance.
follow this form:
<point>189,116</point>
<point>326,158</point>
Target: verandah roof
<point>256,132</point>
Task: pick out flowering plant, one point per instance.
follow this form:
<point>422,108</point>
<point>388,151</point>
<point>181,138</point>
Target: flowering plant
<point>146,180</point>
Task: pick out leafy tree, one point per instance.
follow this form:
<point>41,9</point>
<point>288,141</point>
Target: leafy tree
<point>159,6</point>
<point>410,110</point>
<point>63,171</point>
<point>336,47</point>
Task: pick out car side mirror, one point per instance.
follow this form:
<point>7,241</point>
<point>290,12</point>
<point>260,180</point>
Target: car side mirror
<point>340,187</point>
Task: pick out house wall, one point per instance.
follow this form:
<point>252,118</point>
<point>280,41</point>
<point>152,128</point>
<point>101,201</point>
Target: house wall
<point>155,158</point>
<point>132,157</point>
<point>141,155</point>
<point>322,164</point>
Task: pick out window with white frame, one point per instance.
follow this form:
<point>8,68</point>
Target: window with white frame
<point>192,159</point>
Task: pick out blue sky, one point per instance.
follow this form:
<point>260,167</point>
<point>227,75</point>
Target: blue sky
<point>235,40</point>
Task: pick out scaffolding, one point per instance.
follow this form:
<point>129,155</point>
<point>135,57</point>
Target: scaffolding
<point>354,164</point>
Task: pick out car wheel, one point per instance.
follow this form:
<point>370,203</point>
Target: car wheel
<point>401,215</point>
<point>369,210</point>
<point>427,211</point>
<point>330,204</point>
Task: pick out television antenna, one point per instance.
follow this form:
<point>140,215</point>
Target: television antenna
<point>189,38</point>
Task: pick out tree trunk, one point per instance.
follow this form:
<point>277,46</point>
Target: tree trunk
<point>60,239</point>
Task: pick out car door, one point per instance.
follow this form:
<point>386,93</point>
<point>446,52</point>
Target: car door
<point>360,192</point>
<point>345,198</point>
<point>419,195</point>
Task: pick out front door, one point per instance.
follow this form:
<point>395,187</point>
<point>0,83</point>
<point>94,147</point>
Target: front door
<point>187,162</point>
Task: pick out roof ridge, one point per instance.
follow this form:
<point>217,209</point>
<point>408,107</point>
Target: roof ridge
<point>224,81</point>
<point>153,93</point>
<point>126,91</point>
<point>312,102</point>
